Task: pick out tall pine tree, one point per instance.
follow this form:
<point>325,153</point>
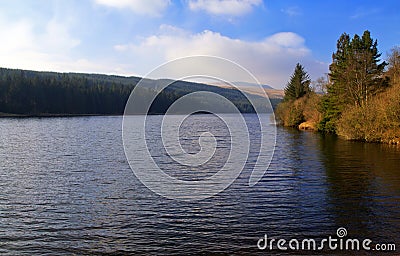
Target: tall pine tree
<point>356,71</point>
<point>299,84</point>
<point>355,74</point>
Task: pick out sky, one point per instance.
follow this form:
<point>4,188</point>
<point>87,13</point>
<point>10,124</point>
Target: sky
<point>133,37</point>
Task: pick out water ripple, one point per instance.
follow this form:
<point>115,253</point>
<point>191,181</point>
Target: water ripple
<point>66,189</point>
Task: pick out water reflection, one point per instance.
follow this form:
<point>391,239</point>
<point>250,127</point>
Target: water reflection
<point>363,186</point>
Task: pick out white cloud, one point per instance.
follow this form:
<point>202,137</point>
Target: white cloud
<point>19,35</point>
<point>43,47</point>
<point>145,7</point>
<point>224,7</point>
<point>288,40</point>
<point>57,37</point>
<point>271,60</point>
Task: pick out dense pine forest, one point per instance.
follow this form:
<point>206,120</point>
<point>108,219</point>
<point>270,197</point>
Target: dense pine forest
<point>33,93</point>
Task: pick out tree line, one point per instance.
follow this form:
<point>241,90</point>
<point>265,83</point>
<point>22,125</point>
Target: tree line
<point>34,93</point>
<point>360,98</point>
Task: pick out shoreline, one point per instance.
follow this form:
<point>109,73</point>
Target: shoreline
<point>305,126</point>
<point>311,127</point>
<point>10,115</point>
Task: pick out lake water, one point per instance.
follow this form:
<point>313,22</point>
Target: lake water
<point>66,188</point>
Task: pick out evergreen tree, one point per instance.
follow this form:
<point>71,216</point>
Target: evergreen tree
<point>355,72</point>
<point>299,84</point>
<point>355,75</point>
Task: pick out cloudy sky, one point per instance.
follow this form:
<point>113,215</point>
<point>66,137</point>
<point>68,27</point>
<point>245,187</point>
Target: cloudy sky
<point>132,37</point>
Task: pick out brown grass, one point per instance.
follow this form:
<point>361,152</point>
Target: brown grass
<point>378,121</point>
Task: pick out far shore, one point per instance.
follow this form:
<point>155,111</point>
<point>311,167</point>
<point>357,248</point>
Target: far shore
<point>8,115</point>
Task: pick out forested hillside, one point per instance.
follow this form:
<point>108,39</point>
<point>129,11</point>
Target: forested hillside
<point>34,93</point>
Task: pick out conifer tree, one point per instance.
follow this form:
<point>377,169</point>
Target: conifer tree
<point>355,72</point>
<point>355,75</point>
<point>299,84</point>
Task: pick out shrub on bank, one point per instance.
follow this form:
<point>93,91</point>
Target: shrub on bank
<point>312,109</point>
<point>379,121</point>
<point>295,112</point>
<point>290,113</point>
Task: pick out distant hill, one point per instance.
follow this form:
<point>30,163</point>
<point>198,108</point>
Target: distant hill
<point>246,84</point>
<point>33,93</point>
<point>273,94</point>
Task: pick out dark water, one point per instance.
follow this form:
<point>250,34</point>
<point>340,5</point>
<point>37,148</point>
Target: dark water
<point>66,188</point>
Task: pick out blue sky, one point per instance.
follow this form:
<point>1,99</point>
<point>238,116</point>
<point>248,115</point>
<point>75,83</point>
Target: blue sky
<point>132,37</point>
